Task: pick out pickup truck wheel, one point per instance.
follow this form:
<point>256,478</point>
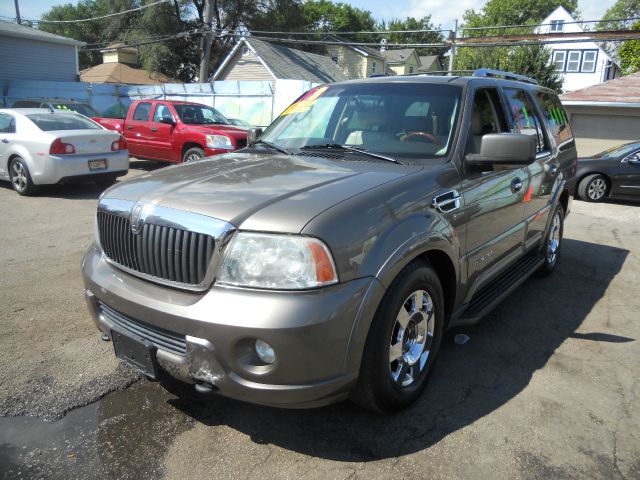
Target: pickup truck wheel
<point>403,341</point>
<point>193,154</point>
<point>593,188</point>
<point>21,178</point>
<point>553,242</point>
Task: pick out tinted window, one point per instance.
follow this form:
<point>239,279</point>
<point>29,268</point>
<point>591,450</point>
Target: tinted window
<point>116,111</point>
<point>162,111</point>
<point>555,117</point>
<point>48,122</point>
<point>7,123</point>
<point>80,108</point>
<point>26,104</point>
<point>619,151</point>
<point>141,113</point>
<point>524,117</point>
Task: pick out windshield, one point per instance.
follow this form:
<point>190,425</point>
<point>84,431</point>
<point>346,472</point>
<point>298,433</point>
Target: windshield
<point>619,151</point>
<point>49,122</point>
<point>85,110</point>
<point>412,120</point>
<point>199,115</point>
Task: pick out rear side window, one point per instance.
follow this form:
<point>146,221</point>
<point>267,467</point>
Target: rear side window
<point>524,118</point>
<point>49,122</point>
<point>141,113</point>
<point>7,123</point>
<point>80,108</point>
<point>555,117</point>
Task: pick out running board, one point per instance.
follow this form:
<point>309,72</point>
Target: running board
<point>492,294</point>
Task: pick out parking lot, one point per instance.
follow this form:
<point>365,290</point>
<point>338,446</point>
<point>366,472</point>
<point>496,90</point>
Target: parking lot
<point>546,387</point>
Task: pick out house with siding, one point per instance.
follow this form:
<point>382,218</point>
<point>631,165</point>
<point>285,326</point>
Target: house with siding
<point>355,62</point>
<point>253,59</point>
<point>403,61</point>
<point>30,54</point>
<point>580,63</point>
<point>430,63</point>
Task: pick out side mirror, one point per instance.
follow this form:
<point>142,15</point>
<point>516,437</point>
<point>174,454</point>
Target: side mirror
<point>167,121</point>
<point>504,149</point>
<point>634,158</point>
<point>253,135</point>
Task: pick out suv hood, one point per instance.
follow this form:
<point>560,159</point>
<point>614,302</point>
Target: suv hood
<point>259,191</point>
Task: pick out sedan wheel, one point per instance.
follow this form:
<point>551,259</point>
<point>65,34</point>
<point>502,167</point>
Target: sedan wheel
<point>593,188</point>
<point>20,178</point>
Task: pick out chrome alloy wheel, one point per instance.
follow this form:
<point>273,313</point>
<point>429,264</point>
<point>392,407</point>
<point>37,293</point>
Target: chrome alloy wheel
<point>18,176</point>
<point>411,338</point>
<point>553,243</point>
<point>192,158</point>
<point>597,189</point>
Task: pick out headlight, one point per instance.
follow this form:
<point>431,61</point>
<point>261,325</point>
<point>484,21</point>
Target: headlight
<point>219,141</point>
<point>283,262</point>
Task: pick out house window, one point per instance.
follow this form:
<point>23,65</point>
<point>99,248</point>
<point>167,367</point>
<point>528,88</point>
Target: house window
<point>410,69</point>
<point>374,66</point>
<point>335,59</point>
<point>245,51</point>
<point>589,61</point>
<point>559,57</point>
<point>557,25</point>
<point>573,61</point>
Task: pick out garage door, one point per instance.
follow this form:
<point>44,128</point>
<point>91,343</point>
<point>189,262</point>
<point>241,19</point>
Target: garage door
<point>595,133</point>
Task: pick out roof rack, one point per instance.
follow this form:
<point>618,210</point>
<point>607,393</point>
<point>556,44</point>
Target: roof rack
<point>487,72</point>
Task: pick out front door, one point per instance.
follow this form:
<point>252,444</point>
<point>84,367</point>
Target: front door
<point>493,199</point>
<point>627,182</point>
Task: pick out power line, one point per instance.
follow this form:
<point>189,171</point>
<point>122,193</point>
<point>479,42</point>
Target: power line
<point>150,40</point>
<point>137,9</point>
<point>536,25</point>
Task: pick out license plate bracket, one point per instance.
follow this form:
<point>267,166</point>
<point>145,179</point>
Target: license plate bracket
<point>135,351</point>
<point>98,164</point>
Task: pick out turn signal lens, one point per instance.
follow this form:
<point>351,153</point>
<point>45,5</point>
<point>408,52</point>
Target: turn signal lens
<point>120,144</point>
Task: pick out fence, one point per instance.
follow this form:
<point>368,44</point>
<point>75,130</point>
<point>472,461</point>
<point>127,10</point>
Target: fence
<point>256,102</point>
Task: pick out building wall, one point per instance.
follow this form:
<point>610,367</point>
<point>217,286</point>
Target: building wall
<point>245,67</point>
<point>410,66</point>
<point>598,128</point>
<point>351,63</point>
<point>582,79</point>
<point>28,59</point>
<point>121,57</point>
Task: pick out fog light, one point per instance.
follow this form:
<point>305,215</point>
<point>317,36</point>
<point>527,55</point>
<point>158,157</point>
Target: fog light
<point>265,352</point>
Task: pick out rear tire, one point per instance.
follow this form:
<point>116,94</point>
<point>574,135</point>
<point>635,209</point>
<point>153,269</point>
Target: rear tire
<point>403,341</point>
<point>593,188</point>
<point>552,243</point>
<point>21,178</point>
<point>193,154</point>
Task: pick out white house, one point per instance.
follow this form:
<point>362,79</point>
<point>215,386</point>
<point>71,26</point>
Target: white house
<point>582,64</point>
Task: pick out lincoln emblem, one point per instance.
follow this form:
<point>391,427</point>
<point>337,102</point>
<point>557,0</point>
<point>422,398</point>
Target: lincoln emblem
<point>136,218</point>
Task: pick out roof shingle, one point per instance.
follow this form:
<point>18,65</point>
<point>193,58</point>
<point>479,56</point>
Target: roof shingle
<point>620,90</point>
<point>20,31</point>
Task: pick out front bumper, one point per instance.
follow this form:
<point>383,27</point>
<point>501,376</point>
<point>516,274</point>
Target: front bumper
<point>314,333</point>
<point>51,169</point>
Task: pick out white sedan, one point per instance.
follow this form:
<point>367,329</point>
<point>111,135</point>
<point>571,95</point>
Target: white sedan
<point>41,147</point>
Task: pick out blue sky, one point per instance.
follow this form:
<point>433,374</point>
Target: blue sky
<point>442,12</point>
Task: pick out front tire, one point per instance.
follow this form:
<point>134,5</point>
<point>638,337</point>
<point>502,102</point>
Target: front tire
<point>553,243</point>
<point>193,154</point>
<point>21,178</point>
<point>403,341</point>
<point>593,188</point>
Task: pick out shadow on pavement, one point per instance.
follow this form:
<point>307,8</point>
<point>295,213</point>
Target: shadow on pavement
<point>469,382</point>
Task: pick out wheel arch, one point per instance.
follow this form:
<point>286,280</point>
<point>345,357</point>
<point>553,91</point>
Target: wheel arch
<point>187,145</point>
<point>587,174</point>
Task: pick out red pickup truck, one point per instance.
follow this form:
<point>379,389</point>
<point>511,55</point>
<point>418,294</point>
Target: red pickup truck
<point>174,131</point>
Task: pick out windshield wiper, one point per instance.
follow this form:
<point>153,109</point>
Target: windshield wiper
<point>337,146</point>
<point>272,146</point>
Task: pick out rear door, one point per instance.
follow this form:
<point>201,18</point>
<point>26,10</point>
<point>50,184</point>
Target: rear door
<point>161,134</point>
<point>136,130</point>
<point>493,198</point>
<point>7,136</point>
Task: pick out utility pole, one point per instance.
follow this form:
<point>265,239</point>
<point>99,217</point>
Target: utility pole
<point>206,42</point>
<point>18,19</point>
<point>452,52</point>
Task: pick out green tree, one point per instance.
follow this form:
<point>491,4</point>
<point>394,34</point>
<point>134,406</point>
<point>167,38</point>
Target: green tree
<point>533,61</point>
<point>622,9</point>
<point>411,23</point>
<point>629,53</point>
<point>325,16</point>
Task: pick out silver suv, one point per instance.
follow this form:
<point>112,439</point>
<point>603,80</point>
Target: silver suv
<point>327,259</point>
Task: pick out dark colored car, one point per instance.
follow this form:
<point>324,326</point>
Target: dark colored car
<point>614,173</point>
<point>58,104</point>
<point>328,258</point>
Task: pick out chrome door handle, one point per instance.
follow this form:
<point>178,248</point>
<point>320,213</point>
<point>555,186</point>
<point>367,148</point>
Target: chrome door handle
<point>446,202</point>
<point>129,127</point>
<point>5,140</point>
<point>154,129</point>
<point>516,185</point>
<point>553,169</point>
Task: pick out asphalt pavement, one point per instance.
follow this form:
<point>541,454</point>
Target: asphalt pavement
<point>546,387</point>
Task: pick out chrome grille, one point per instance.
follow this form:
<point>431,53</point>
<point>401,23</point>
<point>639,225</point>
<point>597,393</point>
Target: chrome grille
<point>164,252</point>
<point>163,339</point>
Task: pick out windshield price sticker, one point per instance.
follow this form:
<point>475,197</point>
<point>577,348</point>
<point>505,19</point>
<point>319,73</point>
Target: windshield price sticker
<point>305,102</point>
